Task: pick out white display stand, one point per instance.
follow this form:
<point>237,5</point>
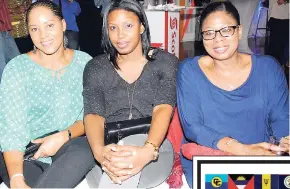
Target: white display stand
<point>164,30</point>
<point>246,10</point>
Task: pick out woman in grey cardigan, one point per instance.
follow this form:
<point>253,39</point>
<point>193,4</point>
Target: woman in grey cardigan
<point>130,81</point>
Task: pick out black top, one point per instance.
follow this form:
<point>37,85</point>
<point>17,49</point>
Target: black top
<point>106,93</point>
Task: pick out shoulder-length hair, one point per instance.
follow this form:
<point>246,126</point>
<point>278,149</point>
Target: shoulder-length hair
<point>136,8</point>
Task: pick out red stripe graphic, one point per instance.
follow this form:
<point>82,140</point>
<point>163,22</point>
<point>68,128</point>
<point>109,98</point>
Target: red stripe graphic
<point>166,31</point>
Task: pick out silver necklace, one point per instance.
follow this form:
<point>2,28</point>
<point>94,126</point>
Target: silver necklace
<point>130,100</point>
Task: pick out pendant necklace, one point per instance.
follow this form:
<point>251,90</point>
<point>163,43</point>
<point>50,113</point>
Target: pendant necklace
<point>130,100</point>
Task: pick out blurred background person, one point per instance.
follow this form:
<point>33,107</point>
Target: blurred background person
<point>8,47</point>
<point>90,22</point>
<point>19,30</point>
<point>279,30</point>
<point>70,10</point>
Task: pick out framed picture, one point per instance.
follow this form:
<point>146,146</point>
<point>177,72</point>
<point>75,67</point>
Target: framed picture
<point>235,172</point>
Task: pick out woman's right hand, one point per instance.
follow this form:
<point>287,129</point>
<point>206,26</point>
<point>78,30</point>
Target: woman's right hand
<point>18,182</point>
<point>106,151</point>
<point>50,144</point>
<point>261,149</point>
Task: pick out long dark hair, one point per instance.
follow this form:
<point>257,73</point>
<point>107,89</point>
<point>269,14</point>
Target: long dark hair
<point>221,5</point>
<point>45,3</point>
<point>136,8</point>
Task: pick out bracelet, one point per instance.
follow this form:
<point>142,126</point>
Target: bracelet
<point>17,175</point>
<point>230,141</point>
<point>156,150</point>
<point>153,145</point>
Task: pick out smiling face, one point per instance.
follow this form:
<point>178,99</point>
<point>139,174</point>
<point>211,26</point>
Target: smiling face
<point>221,48</point>
<point>46,30</point>
<point>125,30</point>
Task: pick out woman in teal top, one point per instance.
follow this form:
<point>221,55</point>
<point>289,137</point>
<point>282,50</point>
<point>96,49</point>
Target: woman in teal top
<point>41,92</point>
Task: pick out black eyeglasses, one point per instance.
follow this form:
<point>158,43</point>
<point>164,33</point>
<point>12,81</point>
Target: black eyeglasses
<point>225,32</point>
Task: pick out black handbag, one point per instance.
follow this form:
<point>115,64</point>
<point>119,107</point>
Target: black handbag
<point>115,131</point>
<point>31,148</point>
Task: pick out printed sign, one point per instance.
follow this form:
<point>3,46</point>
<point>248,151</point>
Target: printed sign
<point>234,172</point>
<point>173,33</point>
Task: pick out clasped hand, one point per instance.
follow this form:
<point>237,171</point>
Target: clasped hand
<point>122,162</point>
<point>285,143</point>
<point>265,148</point>
<point>49,146</point>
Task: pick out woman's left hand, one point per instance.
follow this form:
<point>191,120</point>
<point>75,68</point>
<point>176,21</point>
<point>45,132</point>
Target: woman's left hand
<point>285,143</point>
<point>50,144</point>
<point>129,165</point>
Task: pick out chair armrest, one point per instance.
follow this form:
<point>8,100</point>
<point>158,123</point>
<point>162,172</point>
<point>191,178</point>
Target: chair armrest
<point>192,149</point>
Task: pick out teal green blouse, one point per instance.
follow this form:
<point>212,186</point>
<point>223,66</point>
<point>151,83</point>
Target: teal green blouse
<point>36,100</point>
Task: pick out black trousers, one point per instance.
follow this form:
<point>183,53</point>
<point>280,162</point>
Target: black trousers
<point>279,40</point>
<point>24,44</point>
<point>90,24</point>
<point>73,39</point>
<point>69,166</point>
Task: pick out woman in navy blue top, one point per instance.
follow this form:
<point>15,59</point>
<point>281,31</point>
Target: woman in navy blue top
<point>231,101</point>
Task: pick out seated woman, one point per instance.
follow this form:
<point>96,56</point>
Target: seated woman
<point>130,81</point>
<point>233,102</point>
<point>41,92</point>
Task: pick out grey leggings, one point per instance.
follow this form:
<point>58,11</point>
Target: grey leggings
<point>69,166</point>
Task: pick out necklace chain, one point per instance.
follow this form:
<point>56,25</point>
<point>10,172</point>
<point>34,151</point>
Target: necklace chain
<point>130,99</point>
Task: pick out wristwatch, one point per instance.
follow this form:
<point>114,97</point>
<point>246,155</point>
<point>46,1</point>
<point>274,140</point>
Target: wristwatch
<point>69,134</point>
<point>156,150</point>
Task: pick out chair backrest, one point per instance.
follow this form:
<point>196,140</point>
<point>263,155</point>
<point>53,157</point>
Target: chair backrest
<point>175,133</point>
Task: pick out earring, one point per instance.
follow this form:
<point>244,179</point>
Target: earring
<point>65,41</point>
<point>34,49</point>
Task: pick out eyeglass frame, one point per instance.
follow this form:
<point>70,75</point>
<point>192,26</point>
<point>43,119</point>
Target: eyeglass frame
<point>234,27</point>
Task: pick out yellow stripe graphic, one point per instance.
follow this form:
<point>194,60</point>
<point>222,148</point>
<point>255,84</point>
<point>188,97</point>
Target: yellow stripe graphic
<point>266,181</point>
